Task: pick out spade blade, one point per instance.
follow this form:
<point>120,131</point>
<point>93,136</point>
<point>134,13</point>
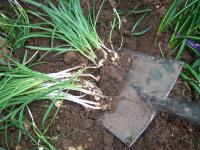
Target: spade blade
<point>150,75</point>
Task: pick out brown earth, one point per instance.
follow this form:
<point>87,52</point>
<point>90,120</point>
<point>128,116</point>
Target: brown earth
<point>74,126</point>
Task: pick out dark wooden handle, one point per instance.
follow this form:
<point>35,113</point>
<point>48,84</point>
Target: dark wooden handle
<point>186,109</point>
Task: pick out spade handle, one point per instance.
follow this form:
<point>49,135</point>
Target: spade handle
<point>188,110</point>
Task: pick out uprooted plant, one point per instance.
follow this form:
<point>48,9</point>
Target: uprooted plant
<point>13,28</point>
<point>66,22</point>
<point>114,8</point>
<point>20,86</point>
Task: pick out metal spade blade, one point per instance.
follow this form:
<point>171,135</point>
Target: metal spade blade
<point>150,75</point>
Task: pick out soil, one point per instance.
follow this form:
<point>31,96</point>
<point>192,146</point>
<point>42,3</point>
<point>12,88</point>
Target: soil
<point>76,127</point>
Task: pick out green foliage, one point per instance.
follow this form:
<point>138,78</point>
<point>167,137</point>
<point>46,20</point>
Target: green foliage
<point>66,22</point>
<point>184,19</point>
<point>20,86</point>
<point>136,25</point>
<point>15,27</point>
<point>137,11</point>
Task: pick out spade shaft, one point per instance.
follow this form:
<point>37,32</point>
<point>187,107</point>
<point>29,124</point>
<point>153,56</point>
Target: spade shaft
<point>187,110</point>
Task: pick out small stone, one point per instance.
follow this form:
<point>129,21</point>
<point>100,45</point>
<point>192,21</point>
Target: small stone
<point>108,139</point>
<point>124,20</point>
<point>157,6</point>
<point>58,127</point>
<point>58,103</point>
<point>90,139</point>
<point>190,129</point>
<point>70,57</point>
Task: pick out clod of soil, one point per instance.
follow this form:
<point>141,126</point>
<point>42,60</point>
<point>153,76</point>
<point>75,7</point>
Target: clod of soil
<point>106,15</point>
<point>70,57</point>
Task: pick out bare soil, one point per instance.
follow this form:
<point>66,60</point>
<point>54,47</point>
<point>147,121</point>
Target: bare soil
<point>74,126</point>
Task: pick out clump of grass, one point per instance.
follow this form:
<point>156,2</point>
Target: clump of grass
<point>137,11</point>
<point>138,33</point>
<point>20,86</point>
<point>15,27</point>
<point>117,22</point>
<point>192,75</point>
<point>66,22</point>
<point>183,18</point>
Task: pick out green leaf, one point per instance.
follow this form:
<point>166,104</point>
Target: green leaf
<point>168,17</point>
